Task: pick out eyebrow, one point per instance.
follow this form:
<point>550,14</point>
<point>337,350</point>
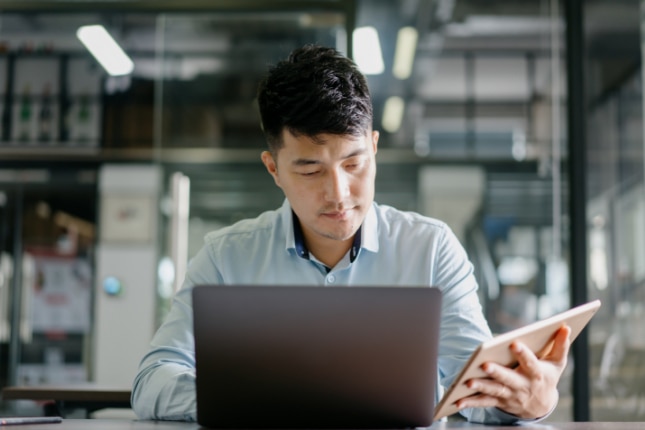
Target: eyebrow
<point>304,162</point>
<point>309,161</point>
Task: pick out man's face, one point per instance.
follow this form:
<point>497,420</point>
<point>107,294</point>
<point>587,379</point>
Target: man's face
<point>329,182</point>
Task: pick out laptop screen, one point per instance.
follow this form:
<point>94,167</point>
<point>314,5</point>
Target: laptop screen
<point>315,357</point>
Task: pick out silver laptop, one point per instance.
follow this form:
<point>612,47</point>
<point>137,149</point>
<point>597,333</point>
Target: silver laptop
<point>315,357</point>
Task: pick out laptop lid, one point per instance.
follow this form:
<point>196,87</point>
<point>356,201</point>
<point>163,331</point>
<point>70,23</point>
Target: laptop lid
<point>315,357</point>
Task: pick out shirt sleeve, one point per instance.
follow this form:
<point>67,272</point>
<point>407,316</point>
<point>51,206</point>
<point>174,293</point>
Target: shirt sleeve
<point>164,387</point>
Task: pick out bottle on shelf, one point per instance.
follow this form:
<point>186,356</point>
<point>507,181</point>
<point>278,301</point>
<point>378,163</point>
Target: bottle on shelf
<point>6,116</point>
<point>83,119</point>
<point>3,124</point>
<point>24,123</point>
<point>45,117</point>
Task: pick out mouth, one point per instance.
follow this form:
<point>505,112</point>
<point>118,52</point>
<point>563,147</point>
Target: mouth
<point>337,215</point>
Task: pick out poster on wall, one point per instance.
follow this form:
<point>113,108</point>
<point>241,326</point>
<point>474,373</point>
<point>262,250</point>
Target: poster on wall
<point>60,296</point>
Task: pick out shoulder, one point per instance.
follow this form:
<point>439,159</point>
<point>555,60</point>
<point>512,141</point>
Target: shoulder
<point>395,220</point>
<point>260,227</point>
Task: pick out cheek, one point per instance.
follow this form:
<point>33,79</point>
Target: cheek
<point>296,187</point>
<point>365,182</point>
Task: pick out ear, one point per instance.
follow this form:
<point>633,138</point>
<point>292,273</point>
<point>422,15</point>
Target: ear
<point>375,136</point>
<point>271,166</point>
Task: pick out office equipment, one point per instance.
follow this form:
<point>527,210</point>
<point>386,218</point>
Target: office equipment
<point>9,421</point>
<point>537,336</point>
<point>315,357</point>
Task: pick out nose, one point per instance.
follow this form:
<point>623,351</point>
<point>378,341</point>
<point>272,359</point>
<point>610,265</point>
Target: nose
<point>337,186</point>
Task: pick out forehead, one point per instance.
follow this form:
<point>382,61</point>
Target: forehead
<point>322,143</point>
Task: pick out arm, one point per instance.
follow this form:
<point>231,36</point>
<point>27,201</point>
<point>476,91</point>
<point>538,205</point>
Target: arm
<point>463,327</point>
<point>524,394</point>
<point>164,387</point>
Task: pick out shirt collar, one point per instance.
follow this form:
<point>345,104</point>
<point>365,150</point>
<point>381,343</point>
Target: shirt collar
<point>299,238</point>
<point>366,237</point>
<point>369,231</point>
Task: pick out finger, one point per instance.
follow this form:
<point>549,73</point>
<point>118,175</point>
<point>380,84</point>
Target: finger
<point>504,376</point>
<point>478,401</point>
<point>561,344</point>
<point>527,361</point>
<point>491,388</point>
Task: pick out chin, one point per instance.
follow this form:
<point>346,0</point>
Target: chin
<point>338,235</point>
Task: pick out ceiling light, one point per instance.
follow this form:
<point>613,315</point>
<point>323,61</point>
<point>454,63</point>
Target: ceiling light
<point>393,114</point>
<point>367,51</point>
<point>105,49</point>
<point>406,46</point>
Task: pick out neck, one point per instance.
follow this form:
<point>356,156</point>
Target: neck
<point>329,251</point>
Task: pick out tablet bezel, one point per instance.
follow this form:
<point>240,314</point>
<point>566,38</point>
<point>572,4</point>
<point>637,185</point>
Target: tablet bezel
<point>537,336</point>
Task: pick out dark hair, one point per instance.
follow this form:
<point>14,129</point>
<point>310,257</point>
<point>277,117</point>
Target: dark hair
<point>316,90</point>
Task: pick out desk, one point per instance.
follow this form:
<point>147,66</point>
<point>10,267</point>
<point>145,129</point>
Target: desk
<point>66,398</point>
<point>161,425</point>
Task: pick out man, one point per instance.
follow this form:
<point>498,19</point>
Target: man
<point>316,114</point>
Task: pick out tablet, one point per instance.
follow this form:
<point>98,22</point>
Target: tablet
<point>537,336</point>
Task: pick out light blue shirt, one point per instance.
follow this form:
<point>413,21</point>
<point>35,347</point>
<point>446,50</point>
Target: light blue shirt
<point>396,248</point>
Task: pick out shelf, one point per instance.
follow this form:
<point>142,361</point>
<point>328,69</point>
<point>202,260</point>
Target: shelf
<point>216,156</point>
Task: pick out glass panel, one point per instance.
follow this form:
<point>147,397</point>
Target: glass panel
<point>47,239</point>
<point>58,238</point>
<point>443,77</point>
<point>51,89</point>
<point>501,78</point>
<point>210,65</point>
<point>616,211</point>
<point>493,93</point>
<point>498,117</point>
<point>189,105</point>
<point>7,212</point>
<point>193,87</point>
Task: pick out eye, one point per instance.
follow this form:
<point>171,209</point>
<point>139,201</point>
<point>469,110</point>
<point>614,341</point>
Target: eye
<point>353,164</point>
<point>308,173</point>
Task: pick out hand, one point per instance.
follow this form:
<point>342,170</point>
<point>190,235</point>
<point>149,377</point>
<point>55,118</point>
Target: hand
<point>528,390</point>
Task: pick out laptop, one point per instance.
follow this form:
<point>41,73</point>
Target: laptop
<point>315,357</point>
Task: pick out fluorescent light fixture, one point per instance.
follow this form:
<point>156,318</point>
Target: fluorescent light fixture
<point>393,114</point>
<point>406,46</point>
<point>105,49</point>
<point>367,51</point>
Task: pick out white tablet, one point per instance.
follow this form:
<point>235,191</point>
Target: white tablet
<point>537,336</point>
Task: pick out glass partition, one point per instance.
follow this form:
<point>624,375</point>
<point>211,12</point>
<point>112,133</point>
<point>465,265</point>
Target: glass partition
<point>67,130</point>
<point>480,144</point>
<point>47,239</point>
<point>616,212</point>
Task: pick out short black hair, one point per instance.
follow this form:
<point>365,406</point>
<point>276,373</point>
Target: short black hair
<point>315,90</point>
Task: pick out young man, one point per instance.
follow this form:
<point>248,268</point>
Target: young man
<point>317,117</point>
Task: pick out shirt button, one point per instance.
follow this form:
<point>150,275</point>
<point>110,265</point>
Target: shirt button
<point>331,279</point>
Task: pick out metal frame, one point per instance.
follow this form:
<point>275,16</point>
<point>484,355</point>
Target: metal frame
<point>576,116</point>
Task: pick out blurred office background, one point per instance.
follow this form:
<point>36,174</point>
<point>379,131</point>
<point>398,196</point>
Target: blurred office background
<point>532,152</point>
